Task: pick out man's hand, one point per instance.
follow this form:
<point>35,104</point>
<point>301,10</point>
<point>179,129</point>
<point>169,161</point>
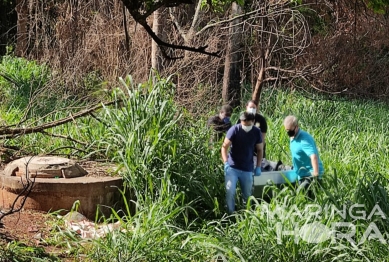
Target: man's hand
<point>257,171</point>
<point>226,166</point>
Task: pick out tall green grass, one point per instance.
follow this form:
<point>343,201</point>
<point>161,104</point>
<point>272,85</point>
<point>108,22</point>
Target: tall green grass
<point>164,156</point>
<point>21,80</point>
<point>353,132</point>
<point>31,96</point>
<point>33,90</point>
<point>351,137</point>
<point>156,144</point>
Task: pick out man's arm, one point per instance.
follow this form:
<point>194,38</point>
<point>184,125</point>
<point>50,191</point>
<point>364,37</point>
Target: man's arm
<point>263,137</point>
<point>259,148</point>
<point>263,126</point>
<point>315,164</point>
<point>224,150</point>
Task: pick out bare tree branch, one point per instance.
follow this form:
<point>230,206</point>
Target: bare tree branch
<point>182,47</point>
<point>209,26</point>
<point>177,24</point>
<point>126,29</point>
<point>6,132</point>
<point>64,147</point>
<point>65,137</point>
<point>140,12</point>
<point>195,19</point>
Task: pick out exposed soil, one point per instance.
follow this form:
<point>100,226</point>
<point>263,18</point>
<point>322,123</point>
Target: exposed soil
<point>26,226</point>
<point>32,228</point>
<point>98,169</point>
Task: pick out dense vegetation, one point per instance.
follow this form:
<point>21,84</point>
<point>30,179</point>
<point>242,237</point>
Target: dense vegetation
<point>338,47</point>
<point>177,179</point>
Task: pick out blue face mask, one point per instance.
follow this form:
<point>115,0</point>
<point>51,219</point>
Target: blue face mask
<point>226,120</point>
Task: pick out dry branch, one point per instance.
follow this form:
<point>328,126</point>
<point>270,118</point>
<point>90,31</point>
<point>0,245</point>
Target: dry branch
<point>139,12</point>
<point>6,132</point>
<point>182,47</point>
<point>80,37</point>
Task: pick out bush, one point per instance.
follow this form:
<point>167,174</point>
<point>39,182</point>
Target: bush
<point>21,80</point>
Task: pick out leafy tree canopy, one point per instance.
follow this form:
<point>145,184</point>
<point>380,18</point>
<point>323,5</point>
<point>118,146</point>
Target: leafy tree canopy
<point>378,6</point>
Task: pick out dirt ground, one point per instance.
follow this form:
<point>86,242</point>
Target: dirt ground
<point>26,226</point>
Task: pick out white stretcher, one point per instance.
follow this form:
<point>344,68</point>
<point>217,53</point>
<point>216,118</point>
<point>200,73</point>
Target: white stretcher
<point>272,177</point>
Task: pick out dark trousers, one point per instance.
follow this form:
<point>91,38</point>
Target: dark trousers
<point>307,183</point>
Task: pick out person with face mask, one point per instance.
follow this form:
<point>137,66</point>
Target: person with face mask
<point>259,121</point>
<point>220,123</point>
<point>237,153</point>
<point>305,156</point>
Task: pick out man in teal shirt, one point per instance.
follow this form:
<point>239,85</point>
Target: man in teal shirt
<point>305,156</point>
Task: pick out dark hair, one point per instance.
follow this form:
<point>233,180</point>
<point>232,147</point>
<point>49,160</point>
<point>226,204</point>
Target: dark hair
<point>226,109</point>
<point>245,116</point>
<point>251,101</point>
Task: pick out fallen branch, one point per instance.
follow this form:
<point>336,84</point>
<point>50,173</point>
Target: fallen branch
<point>7,133</point>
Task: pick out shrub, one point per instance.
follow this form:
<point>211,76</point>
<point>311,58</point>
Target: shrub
<point>21,80</point>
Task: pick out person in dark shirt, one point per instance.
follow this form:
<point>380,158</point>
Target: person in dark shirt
<point>237,151</point>
<point>220,123</point>
<point>259,121</point>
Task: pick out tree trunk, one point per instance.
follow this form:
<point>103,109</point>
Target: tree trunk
<point>156,54</point>
<point>233,61</point>
<point>264,56</point>
<point>8,20</point>
<point>256,96</point>
<point>22,28</point>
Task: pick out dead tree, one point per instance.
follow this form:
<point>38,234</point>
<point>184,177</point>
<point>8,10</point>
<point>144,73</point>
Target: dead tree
<point>281,35</point>
<point>233,60</point>
<point>7,132</point>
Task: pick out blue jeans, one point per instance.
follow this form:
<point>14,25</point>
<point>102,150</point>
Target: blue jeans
<point>231,178</point>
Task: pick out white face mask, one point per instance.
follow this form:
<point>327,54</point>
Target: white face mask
<point>247,128</point>
<point>251,110</point>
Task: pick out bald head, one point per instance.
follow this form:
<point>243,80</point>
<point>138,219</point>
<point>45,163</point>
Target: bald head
<point>291,125</point>
<point>290,122</point>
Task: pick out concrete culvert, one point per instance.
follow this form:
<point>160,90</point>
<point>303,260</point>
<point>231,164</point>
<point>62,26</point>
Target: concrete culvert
<point>58,183</point>
<point>44,167</point>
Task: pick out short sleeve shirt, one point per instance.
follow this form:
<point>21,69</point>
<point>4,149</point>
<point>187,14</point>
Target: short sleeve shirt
<point>242,147</point>
<point>302,146</point>
<point>260,122</point>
